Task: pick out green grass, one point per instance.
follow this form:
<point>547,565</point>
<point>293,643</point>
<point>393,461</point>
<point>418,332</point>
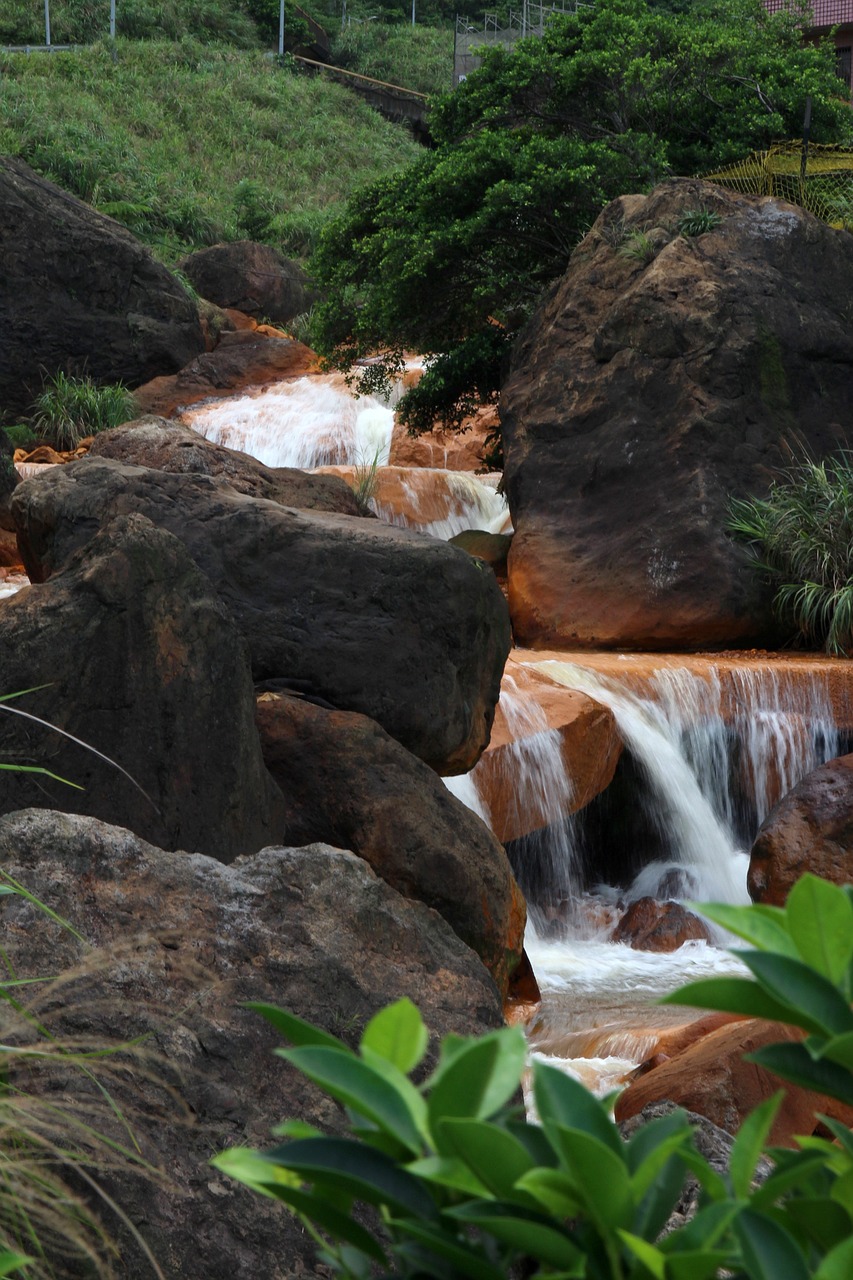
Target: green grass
<point>86,21</point>
<point>188,143</point>
<point>417,57</point>
<point>69,409</point>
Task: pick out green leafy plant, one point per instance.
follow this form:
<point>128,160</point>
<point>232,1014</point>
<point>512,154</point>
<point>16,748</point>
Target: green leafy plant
<point>70,408</point>
<point>801,535</point>
<point>638,246</point>
<point>695,222</point>
<point>465,1186</point>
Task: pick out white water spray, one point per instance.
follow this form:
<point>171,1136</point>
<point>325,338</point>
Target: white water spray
<point>444,503</point>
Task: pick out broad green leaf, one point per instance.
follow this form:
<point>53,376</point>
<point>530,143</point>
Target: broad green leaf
<point>11,1261</point>
<point>446,1172</point>
<point>739,995</point>
<point>600,1176</point>
<point>554,1189</point>
<point>413,1098</point>
<point>651,1258</point>
<point>659,1199</point>
<point>465,1259</point>
<point>296,1129</point>
<point>842,1191</point>
<point>358,1170</point>
<point>787,1176</point>
<point>712,1183</point>
<point>838,1263</point>
<point>820,1219</point>
<point>704,1229</point>
<point>535,1143</point>
<point>657,1157</point>
<point>356,1084</point>
<point>765,927</point>
<point>750,1142</point>
<point>820,921</point>
<point>794,1062</point>
<point>296,1030</point>
<point>564,1101</point>
<point>528,1232</point>
<point>397,1033</point>
<point>479,1078</point>
<point>839,1131</point>
<point>699,1264</point>
<point>651,1137</point>
<point>494,1156</point>
<point>340,1226</point>
<point>838,1049</point>
<point>770,1252</point>
<point>813,998</point>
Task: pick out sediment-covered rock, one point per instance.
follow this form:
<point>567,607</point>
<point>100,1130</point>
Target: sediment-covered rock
<point>650,925</point>
<point>645,392</point>
<point>185,943</point>
<point>346,782</point>
<point>810,829</point>
<point>170,446</point>
<point>129,650</point>
<point>369,618</point>
<point>79,294</point>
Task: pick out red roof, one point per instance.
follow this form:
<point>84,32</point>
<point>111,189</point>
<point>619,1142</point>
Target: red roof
<point>827,13</point>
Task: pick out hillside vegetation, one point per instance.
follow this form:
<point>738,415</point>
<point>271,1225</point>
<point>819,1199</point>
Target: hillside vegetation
<point>189,143</point>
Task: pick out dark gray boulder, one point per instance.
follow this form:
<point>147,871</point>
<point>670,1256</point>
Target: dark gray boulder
<point>129,649</point>
<point>250,277</point>
<point>401,627</point>
<point>78,293</point>
<point>183,943</point>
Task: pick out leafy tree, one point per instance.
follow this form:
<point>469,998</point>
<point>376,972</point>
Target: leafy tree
<point>449,256</point>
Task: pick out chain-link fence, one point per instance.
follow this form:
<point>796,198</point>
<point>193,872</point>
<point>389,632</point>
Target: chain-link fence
<point>817,177</point>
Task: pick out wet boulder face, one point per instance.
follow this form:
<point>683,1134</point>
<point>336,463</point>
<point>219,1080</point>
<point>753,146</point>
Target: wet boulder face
<point>129,650</point>
<point>79,293</point>
<point>810,829</point>
<point>170,446</point>
<point>347,783</point>
<point>644,392</point>
<point>183,943</point>
<point>369,618</point>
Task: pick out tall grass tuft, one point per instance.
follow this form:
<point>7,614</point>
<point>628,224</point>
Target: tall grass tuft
<point>801,534</point>
<point>69,409</point>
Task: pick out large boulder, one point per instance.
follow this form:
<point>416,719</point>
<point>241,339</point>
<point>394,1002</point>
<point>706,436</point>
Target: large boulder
<point>250,277</point>
<point>170,446</point>
<point>398,626</point>
<point>241,360</point>
<point>80,294</point>
<point>810,829</point>
<point>346,782</point>
<point>312,930</point>
<point>647,389</point>
<point>129,650</point>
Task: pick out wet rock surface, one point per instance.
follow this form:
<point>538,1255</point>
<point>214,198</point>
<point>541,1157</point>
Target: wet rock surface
<point>369,618</point>
<point>643,396</point>
<point>129,650</point>
<point>79,293</point>
<point>184,943</point>
<point>170,446</point>
<point>650,925</point>
<point>347,783</point>
<point>810,829</point>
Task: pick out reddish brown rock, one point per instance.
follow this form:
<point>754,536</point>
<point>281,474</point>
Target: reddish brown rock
<point>420,497</point>
<point>241,360</point>
<point>347,783</point>
<point>10,556</point>
<point>454,450</point>
<point>711,1077</point>
<point>811,829</point>
<point>650,925</point>
<point>642,397</point>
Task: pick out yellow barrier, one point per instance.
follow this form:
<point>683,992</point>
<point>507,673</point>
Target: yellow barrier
<point>823,185</point>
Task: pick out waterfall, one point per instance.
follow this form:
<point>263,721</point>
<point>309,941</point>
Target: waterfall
<point>307,422</point>
<point>440,503</point>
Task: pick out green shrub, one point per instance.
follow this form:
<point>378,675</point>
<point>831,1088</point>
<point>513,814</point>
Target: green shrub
<point>71,408</point>
<point>695,222</point>
<point>639,246</point>
<point>801,534</point>
<point>465,1186</point>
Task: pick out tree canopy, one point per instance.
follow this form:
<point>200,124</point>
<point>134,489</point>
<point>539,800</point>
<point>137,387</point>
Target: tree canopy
<point>448,256</point>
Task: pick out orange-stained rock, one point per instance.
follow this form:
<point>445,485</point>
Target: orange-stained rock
<point>10,556</point>
<point>650,925</point>
<point>811,829</point>
<point>454,450</point>
<point>242,360</point>
<point>712,1078</point>
<point>417,497</point>
<point>590,747</point>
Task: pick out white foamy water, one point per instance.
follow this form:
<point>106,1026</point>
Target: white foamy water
<point>466,502</point>
<point>307,422</point>
<point>12,585</point>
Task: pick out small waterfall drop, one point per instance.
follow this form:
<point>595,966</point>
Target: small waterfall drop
<point>444,503</point>
<point>306,422</point>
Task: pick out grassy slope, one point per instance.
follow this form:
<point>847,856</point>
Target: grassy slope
<point>188,143</point>
<point>416,57</point>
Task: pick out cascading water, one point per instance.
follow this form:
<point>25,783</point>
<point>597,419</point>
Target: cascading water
<point>308,422</point>
<point>444,503</point>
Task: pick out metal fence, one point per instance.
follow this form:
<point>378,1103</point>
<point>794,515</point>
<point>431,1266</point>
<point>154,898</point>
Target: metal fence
<point>530,20</point>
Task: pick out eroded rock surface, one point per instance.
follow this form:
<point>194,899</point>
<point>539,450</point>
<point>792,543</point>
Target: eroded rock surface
<point>347,783</point>
<point>79,294</point>
<point>250,277</point>
<point>312,930</point>
<point>400,627</point>
<point>129,650</point>
<point>642,395</point>
<point>810,829</point>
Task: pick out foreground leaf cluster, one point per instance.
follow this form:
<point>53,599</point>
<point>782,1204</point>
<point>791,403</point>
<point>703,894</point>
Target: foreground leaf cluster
<point>461,1184</point>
